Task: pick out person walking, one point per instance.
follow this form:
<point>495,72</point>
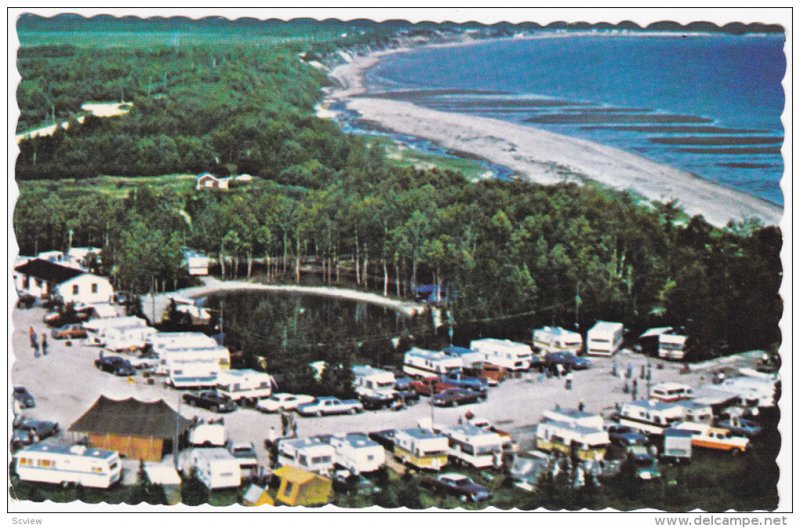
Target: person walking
<point>635,390</point>
<point>568,382</point>
<point>44,344</point>
<point>34,341</point>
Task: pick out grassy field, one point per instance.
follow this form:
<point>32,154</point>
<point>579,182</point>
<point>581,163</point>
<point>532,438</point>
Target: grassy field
<point>113,186</point>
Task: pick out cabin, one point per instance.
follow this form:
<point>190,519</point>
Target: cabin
<point>604,338</point>
<point>311,454</point>
<point>44,279</point>
<point>215,467</point>
<point>301,488</point>
<point>421,448</point>
<point>504,353</point>
<point>206,180</point>
<point>573,433</point>
<point>357,453</point>
<point>471,360</point>
<point>77,464</point>
<point>373,382</point>
<point>424,363</point>
<point>196,263</point>
<point>651,416</point>
<point>474,446</point>
<point>147,431</point>
<point>556,339</point>
<point>97,329</point>
<point>244,384</point>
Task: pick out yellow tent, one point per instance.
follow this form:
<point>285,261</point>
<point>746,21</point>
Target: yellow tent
<point>302,488</point>
<point>257,496</point>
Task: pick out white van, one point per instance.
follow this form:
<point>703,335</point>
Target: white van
<point>55,464</point>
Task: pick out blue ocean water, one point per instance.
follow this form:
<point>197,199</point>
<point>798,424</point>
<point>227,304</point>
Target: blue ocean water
<point>708,104</point>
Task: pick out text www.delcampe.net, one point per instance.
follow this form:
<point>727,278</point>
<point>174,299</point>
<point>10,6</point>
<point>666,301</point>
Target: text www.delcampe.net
<point>722,520</point>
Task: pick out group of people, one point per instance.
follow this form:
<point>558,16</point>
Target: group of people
<point>35,343</point>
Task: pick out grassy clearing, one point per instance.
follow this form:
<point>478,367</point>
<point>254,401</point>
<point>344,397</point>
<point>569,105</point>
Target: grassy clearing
<point>403,156</point>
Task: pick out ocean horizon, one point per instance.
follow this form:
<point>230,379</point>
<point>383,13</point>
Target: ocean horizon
<point>707,104</point>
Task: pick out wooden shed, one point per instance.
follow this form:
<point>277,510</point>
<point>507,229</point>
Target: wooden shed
<point>136,429</point>
<point>301,488</point>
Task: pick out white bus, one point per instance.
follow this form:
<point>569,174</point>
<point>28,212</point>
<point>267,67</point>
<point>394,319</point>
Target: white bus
<point>604,339</point>
<point>244,384</point>
<point>556,339</point>
<point>425,363</point>
<point>504,353</point>
<point>357,453</point>
<point>474,446</point>
<point>56,464</point>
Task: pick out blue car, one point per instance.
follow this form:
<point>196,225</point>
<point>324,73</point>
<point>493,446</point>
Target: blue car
<point>741,426</point>
<point>567,360</point>
<point>457,379</point>
<point>624,436</point>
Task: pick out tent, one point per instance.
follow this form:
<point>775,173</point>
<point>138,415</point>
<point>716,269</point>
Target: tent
<point>302,488</point>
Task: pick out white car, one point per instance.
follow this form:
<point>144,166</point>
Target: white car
<point>283,401</point>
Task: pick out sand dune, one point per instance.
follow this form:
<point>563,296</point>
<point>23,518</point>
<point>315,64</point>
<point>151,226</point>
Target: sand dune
<point>545,157</point>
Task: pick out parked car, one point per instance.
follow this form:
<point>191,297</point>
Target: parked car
<point>567,360</point>
<point>457,379</point>
<point>116,365</point>
<point>26,300</point>
<point>493,374</point>
<point>244,453</point>
<point>328,405</point>
<point>69,331</point>
<point>456,396</point>
<point>210,399</point>
<point>740,426</point>
<point>645,463</point>
<point>624,436</point>
<point>58,319</point>
<point>40,429</point>
<point>460,486</point>
<point>283,401</point>
<point>24,397</point>
<point>429,386</point>
<point>384,437</point>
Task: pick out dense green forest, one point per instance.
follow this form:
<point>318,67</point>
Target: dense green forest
<point>559,254</point>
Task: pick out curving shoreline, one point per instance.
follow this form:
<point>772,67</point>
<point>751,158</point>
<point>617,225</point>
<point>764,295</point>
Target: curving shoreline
<point>541,156</point>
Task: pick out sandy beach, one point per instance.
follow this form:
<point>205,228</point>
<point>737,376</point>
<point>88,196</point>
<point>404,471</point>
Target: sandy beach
<point>545,157</point>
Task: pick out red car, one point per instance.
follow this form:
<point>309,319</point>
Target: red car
<point>429,386</point>
<point>70,331</point>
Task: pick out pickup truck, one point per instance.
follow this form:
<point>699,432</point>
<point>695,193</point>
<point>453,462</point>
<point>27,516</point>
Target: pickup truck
<point>429,386</point>
<point>456,396</point>
<point>327,405</point>
<point>457,379</point>
<point>210,399</point>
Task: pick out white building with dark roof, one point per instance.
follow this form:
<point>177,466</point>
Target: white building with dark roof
<point>43,279</point>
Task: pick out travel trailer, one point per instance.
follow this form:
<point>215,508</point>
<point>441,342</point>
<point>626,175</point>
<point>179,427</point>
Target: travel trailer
<point>474,446</point>
<point>471,360</point>
<point>373,382</point>
<point>421,448</point>
<point>96,328</point>
<point>208,433</point>
<point>504,353</point>
<point>311,454</point>
<point>216,468</point>
<point>604,339</point>
<point>710,437</point>
<point>572,432</point>
<point>357,453</point>
<point>245,384</point>
<point>189,359</point>
<point>424,363</point>
<point>664,342</point>
<point>670,392</point>
<point>677,445</point>
<point>556,339</point>
<point>132,337</point>
<point>55,464</point>
<point>651,416</point>
<point>165,340</point>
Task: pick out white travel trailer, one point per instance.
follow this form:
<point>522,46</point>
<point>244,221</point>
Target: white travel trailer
<point>216,468</point>
<point>751,391</point>
<point>504,353</point>
<point>357,453</point>
<point>97,328</point>
<point>244,384</point>
<point>196,263</point>
<point>421,362</point>
<point>573,432</point>
<point>164,340</point>
<point>474,446</point>
<point>132,337</point>
<point>373,382</point>
<point>669,392</point>
<point>187,375</point>
<point>421,448</point>
<point>604,339</point>
<point>55,464</point>
<point>556,339</point>
<point>311,454</point>
<point>189,359</point>
<point>651,416</point>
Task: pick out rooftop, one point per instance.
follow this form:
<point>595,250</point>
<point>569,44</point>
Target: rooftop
<point>605,326</point>
<point>48,271</point>
<point>458,351</point>
<point>420,433</point>
<point>653,404</point>
<point>68,450</point>
<point>557,331</point>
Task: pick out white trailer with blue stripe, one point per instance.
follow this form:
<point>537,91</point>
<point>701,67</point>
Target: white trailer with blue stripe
<point>65,465</point>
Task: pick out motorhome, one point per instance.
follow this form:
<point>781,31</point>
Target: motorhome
<point>556,339</point>
<point>474,446</point>
<point>421,448</point>
<point>357,453</point>
<point>244,384</point>
<point>421,362</point>
<point>670,392</point>
<point>651,416</point>
<point>718,438</point>
<point>665,342</point>
<point>216,468</point>
<point>311,454</point>
<point>604,339</point>
<point>504,353</point>
<point>96,328</point>
<point>132,337</point>
<point>571,431</point>
<point>471,360</point>
<point>189,359</point>
<point>77,464</point>
<point>373,382</point>
<point>208,433</point>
